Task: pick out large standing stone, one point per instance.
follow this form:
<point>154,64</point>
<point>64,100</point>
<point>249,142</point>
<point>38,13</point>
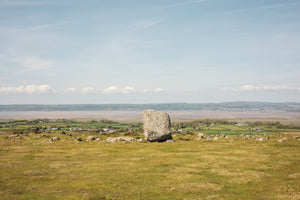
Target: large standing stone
<point>156,126</point>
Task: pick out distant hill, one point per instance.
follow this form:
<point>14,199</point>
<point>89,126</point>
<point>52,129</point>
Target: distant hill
<point>227,106</point>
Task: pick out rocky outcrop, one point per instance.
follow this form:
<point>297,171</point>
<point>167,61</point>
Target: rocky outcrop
<point>90,138</point>
<point>120,139</point>
<point>55,138</point>
<point>156,126</point>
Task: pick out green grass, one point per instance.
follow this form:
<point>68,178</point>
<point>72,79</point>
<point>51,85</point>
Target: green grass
<point>65,125</point>
<point>225,169</point>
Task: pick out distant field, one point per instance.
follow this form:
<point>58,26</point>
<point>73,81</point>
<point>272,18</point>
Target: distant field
<point>137,115</point>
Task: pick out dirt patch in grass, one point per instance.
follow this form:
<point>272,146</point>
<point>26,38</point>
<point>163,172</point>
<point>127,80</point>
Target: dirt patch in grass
<point>291,133</point>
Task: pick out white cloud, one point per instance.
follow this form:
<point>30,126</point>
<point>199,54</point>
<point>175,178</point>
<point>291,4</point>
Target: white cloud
<point>158,90</point>
<point>258,88</point>
<point>110,89</point>
<point>33,63</point>
<point>128,89</point>
<point>26,63</point>
<point>37,89</point>
<point>82,90</point>
<point>183,3</point>
<point>278,5</point>
<point>153,90</point>
<point>115,89</point>
<point>147,24</point>
<point>70,90</point>
<point>29,89</point>
<point>87,90</point>
<point>249,88</point>
<point>23,3</point>
<point>265,7</point>
<point>278,87</point>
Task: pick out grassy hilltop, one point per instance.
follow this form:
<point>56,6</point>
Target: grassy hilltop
<point>238,166</point>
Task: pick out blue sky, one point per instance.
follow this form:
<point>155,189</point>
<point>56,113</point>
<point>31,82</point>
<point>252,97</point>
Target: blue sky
<point>141,51</point>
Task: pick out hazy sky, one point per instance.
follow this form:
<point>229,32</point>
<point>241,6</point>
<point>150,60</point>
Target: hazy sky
<point>149,51</point>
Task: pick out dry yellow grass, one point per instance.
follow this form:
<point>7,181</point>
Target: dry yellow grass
<point>30,168</point>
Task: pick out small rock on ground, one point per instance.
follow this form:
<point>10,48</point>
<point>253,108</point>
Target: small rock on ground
<point>55,138</point>
<point>170,141</point>
<point>261,139</point>
<point>120,139</point>
<point>90,138</point>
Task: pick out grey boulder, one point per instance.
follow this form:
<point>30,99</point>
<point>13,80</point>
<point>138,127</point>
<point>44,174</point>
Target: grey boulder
<point>261,139</point>
<point>156,126</point>
<point>90,138</point>
<point>55,138</point>
<point>120,139</point>
<point>201,135</point>
<point>170,141</point>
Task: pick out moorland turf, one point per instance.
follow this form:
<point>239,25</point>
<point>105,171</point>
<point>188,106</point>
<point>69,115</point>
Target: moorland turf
<point>228,168</point>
